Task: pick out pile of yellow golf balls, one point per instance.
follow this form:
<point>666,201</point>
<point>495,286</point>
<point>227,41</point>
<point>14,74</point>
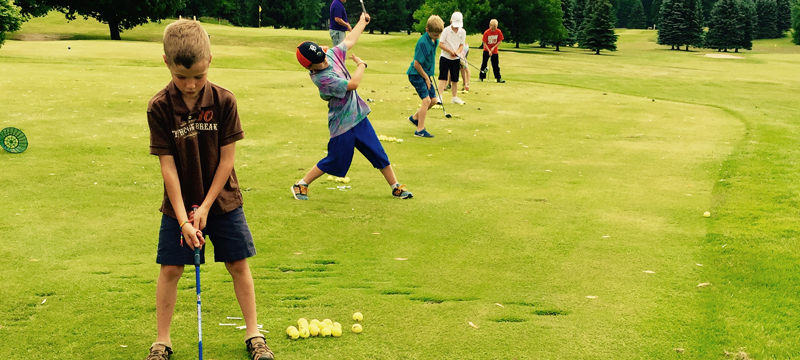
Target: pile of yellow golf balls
<point>337,179</point>
<point>324,328</point>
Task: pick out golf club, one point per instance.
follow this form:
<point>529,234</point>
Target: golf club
<point>362,7</point>
<point>442,104</point>
<point>476,68</point>
<point>197,286</point>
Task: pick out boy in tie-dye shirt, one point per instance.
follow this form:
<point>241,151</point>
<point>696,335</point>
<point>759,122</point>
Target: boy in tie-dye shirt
<point>347,113</point>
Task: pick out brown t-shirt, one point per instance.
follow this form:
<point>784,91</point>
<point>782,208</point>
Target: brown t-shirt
<point>194,139</point>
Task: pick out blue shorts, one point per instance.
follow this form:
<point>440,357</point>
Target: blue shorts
<point>419,84</point>
<point>228,232</point>
<point>342,148</point>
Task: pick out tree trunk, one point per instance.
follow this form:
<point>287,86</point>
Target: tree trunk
<point>517,44</point>
<point>371,31</point>
<point>598,52</point>
<point>687,47</point>
<point>673,47</point>
<point>113,26</point>
<point>737,50</point>
<point>557,47</point>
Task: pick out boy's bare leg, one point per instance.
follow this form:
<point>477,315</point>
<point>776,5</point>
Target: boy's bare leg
<point>166,296</point>
<point>454,88</point>
<point>313,174</point>
<point>388,173</point>
<point>422,113</point>
<point>245,294</point>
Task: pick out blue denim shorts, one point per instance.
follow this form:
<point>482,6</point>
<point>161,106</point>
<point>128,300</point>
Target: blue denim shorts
<point>419,84</point>
<point>342,148</point>
<point>228,233</point>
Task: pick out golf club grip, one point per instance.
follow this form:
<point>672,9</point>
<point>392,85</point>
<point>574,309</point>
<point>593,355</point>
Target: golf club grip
<point>197,249</point>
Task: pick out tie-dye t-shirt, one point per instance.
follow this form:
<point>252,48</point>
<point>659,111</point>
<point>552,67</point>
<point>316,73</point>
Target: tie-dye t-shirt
<point>345,108</point>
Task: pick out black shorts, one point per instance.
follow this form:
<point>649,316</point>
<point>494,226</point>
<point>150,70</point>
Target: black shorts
<point>453,67</point>
<point>228,232</point>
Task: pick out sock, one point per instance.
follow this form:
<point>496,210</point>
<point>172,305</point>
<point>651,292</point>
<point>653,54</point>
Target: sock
<point>395,186</point>
<point>301,182</point>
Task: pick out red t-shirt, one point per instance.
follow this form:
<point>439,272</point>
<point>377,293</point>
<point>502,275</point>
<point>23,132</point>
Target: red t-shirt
<point>194,138</point>
<point>492,38</point>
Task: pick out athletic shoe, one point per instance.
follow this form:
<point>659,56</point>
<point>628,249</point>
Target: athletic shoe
<point>300,192</point>
<point>501,81</point>
<point>457,101</point>
<point>415,122</point>
<point>159,351</point>
<point>424,133</point>
<point>439,100</point>
<point>400,192</point>
<point>258,348</point>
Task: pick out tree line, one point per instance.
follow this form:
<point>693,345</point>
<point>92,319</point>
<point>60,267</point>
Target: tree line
<point>733,24</point>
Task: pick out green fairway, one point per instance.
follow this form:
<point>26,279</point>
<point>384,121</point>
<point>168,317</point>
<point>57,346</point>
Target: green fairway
<point>560,212</point>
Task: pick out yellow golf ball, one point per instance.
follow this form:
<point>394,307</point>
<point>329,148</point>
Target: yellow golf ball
<point>294,334</point>
<point>706,214</point>
<point>290,329</point>
<point>336,331</point>
<point>328,321</point>
<point>304,333</point>
<point>302,322</point>
<point>357,328</point>
<point>326,332</point>
<point>336,324</point>
<point>313,329</point>
<point>315,321</point>
<point>330,177</point>
<point>358,316</point>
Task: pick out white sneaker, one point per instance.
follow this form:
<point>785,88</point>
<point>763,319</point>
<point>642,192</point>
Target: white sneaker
<point>438,99</point>
<point>458,101</point>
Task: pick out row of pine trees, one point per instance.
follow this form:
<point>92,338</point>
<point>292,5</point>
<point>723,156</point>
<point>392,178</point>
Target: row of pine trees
<point>733,24</point>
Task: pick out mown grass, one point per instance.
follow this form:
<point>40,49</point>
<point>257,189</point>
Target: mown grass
<point>569,181</point>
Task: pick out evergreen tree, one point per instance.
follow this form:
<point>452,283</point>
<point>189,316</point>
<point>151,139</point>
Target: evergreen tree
<point>749,22</point>
<point>577,12</point>
<point>10,19</point>
<point>567,36</point>
<point>623,11</point>
<point>598,32</point>
<point>784,14</point>
<point>672,23</point>
<point>796,22</point>
<point>726,27</point>
<point>654,15</point>
<point>767,19</point>
<point>694,24</point>
<point>637,18</point>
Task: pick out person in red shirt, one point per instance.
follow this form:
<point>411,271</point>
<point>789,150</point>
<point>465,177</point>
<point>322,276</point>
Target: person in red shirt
<point>491,40</point>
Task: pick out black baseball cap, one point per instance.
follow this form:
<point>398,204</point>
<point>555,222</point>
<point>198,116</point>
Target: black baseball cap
<point>309,53</point>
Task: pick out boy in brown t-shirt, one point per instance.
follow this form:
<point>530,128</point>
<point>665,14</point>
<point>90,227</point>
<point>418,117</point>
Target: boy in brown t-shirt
<point>194,126</point>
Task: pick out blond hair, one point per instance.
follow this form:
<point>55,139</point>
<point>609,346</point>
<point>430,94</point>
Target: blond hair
<point>186,43</point>
<point>493,24</point>
<point>435,25</point>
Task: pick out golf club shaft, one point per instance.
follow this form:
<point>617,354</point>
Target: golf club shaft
<point>197,287</point>
<point>435,91</point>
<point>470,64</point>
<point>362,7</point>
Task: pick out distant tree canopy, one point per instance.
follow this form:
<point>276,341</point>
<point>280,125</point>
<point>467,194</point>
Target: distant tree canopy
<point>476,14</point>
<point>569,35</point>
<point>119,15</point>
<point>796,22</point>
<point>637,19</point>
<point>10,19</point>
